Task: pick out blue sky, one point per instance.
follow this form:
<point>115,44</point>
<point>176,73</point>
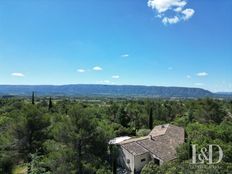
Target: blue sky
<point>138,42</point>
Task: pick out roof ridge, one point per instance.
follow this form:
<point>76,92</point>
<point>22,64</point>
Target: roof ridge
<point>168,126</point>
<point>134,140</point>
<point>149,150</point>
<point>142,146</point>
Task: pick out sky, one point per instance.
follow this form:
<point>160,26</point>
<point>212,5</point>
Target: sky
<point>134,42</point>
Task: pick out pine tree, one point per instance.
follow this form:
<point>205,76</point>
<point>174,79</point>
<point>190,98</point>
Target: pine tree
<point>151,118</point>
<point>33,98</point>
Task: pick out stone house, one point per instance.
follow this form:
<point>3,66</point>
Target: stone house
<point>159,146</point>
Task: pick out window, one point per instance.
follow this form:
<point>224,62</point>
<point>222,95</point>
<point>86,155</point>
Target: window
<point>127,161</point>
<point>144,159</point>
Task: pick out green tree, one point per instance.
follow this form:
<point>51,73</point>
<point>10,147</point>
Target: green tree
<point>30,132</point>
<point>33,98</point>
<point>50,104</point>
<point>150,123</point>
<point>122,117</point>
<point>151,168</point>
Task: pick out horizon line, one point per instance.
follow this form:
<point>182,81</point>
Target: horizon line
<point>110,85</point>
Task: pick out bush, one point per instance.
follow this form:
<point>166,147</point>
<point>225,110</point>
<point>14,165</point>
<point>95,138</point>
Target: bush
<point>143,132</point>
<point>151,168</point>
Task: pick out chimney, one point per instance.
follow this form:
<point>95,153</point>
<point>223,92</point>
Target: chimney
<point>151,138</point>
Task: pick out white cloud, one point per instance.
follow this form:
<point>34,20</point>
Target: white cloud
<point>106,81</point>
<point>125,55</point>
<point>188,77</point>
<point>81,70</point>
<point>17,74</point>
<point>188,13</point>
<point>159,15</point>
<point>202,74</point>
<point>176,7</point>
<point>97,68</point>
<point>173,20</point>
<point>164,5</point>
<point>115,76</point>
<point>198,84</point>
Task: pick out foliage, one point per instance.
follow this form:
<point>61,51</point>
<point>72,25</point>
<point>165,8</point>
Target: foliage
<point>74,134</point>
<point>151,168</point>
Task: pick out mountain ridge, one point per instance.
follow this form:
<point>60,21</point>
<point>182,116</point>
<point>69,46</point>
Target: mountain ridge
<point>105,90</point>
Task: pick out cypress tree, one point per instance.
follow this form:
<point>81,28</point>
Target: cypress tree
<point>190,116</point>
<point>113,158</point>
<point>189,142</point>
<point>185,137</point>
<point>33,98</point>
<point>114,166</point>
<point>79,158</point>
<point>50,104</point>
<point>151,118</point>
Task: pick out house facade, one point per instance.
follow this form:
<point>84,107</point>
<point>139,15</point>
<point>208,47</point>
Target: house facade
<point>159,146</point>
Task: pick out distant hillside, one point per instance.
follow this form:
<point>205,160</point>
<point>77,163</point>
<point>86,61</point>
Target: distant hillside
<point>227,95</point>
<point>105,90</point>
<point>224,93</point>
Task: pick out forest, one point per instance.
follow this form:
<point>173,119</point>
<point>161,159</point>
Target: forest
<point>45,135</point>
